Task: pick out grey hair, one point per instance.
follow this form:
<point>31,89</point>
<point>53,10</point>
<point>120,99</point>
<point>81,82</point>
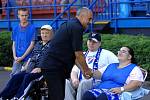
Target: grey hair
<point>81,10</point>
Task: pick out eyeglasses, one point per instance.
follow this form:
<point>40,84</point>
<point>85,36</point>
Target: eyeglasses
<point>123,51</point>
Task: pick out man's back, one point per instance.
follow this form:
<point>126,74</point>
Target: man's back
<point>67,40</point>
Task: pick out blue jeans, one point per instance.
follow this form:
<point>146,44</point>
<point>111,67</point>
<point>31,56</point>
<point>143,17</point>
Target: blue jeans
<point>17,84</point>
<point>16,68</point>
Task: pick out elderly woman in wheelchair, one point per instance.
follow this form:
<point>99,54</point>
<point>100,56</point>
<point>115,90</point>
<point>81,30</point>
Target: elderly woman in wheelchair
<point>119,81</point>
<point>19,82</point>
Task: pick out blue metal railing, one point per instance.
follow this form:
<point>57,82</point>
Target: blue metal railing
<point>66,9</point>
<point>52,20</point>
<point>104,10</point>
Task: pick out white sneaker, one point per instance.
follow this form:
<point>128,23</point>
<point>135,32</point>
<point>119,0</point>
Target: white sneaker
<point>14,98</point>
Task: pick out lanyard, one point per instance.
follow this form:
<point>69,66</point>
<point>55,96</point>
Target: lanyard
<point>95,63</point>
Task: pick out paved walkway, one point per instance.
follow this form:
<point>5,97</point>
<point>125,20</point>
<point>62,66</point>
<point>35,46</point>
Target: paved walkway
<point>4,77</point>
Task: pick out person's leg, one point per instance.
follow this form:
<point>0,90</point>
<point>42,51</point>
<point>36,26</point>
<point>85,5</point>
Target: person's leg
<point>84,85</point>
<point>27,79</point>
<point>102,96</point>
<point>12,86</point>
<point>56,84</point>
<point>89,96</point>
<point>16,68</point>
<point>70,92</point>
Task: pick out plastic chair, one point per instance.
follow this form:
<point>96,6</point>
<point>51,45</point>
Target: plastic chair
<point>144,72</point>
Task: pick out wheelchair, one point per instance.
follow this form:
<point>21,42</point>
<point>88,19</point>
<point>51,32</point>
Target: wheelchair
<point>36,90</point>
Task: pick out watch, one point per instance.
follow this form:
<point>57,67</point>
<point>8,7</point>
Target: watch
<point>122,89</point>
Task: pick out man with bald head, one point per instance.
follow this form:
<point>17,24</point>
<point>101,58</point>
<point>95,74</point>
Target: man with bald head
<point>84,16</point>
<point>65,51</point>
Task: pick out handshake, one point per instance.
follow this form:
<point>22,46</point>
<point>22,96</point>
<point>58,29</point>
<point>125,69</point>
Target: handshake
<point>88,73</point>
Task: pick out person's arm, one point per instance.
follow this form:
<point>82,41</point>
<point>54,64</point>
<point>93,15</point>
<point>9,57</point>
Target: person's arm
<point>136,78</point>
<point>74,72</point>
<point>81,63</point>
<point>74,78</point>
<point>31,46</point>
<point>134,81</point>
<point>134,84</point>
<point>14,50</point>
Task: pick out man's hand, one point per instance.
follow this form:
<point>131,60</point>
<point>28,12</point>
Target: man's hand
<point>87,73</point>
<point>18,59</point>
<point>81,63</point>
<point>97,74</point>
<point>116,90</point>
<point>75,83</point>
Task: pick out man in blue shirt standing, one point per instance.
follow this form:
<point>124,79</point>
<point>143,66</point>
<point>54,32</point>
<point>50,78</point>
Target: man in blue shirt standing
<point>23,37</point>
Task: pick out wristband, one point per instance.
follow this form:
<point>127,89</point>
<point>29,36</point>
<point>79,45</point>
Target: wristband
<point>122,89</point>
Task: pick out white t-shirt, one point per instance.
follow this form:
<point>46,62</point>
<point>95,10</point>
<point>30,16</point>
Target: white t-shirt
<point>106,58</point>
<point>135,74</point>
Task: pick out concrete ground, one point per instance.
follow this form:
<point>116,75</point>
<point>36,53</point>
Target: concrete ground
<point>4,77</point>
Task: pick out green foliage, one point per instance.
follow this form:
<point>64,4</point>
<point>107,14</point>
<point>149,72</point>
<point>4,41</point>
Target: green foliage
<point>5,49</point>
<point>140,45</point>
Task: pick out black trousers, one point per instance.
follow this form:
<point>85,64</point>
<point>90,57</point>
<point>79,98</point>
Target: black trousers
<point>89,96</point>
<point>56,84</point>
<point>17,84</point>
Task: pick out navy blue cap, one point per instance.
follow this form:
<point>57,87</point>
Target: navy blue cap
<point>95,37</point>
